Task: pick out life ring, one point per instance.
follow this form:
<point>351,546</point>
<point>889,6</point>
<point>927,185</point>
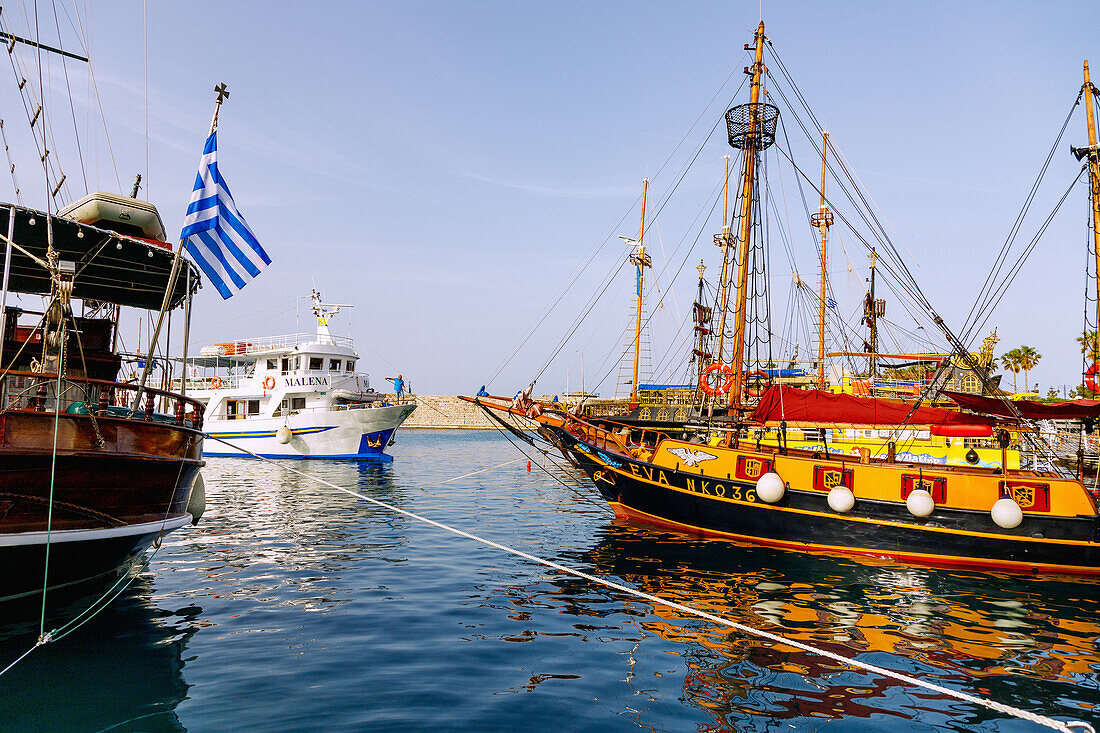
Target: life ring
<point>216,382</point>
<point>1090,377</point>
<point>762,380</point>
<point>704,379</point>
<point>269,382</point>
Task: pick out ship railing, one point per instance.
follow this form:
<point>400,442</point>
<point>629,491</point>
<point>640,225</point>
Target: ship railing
<point>42,392</point>
<point>264,344</point>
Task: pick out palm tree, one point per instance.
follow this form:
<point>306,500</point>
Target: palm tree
<point>1010,361</point>
<point>1029,359</point>
<point>1090,347</point>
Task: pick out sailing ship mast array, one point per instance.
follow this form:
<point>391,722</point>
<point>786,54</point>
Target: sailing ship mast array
<point>713,474</point>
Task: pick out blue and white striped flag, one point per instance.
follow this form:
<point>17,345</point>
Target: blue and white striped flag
<point>214,232</point>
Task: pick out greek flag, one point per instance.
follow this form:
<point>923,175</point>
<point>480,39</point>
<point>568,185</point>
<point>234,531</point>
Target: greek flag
<point>214,232</point>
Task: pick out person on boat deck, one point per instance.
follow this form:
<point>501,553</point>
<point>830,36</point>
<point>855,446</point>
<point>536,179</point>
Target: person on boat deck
<point>398,387</point>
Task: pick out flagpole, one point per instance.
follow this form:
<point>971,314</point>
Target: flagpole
<point>223,94</point>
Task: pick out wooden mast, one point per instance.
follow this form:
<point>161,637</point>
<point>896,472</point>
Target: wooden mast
<point>1094,181</point>
<point>641,261</point>
<point>723,241</point>
<point>822,220</point>
<point>748,180</point>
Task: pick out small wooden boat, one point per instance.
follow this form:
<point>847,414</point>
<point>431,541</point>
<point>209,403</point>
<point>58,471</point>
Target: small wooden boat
<point>92,470</point>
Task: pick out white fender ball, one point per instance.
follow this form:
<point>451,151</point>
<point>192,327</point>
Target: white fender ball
<point>769,487</point>
<point>283,435</point>
<point>196,502</point>
<point>920,503</point>
<point>1007,513</point>
<point>841,499</point>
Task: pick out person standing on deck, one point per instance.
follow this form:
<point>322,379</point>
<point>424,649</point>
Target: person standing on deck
<point>398,387</point>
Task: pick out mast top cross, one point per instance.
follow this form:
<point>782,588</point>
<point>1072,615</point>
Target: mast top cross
<point>223,92</point>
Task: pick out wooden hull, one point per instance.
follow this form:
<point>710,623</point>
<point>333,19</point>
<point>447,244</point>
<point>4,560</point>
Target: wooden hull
<point>686,499</point>
<point>95,506</point>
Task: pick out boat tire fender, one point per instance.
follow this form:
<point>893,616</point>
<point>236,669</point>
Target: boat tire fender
<point>283,435</point>
<point>770,487</point>
<point>196,501</point>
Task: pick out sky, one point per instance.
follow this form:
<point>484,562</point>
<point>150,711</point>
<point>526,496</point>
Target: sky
<point>449,168</point>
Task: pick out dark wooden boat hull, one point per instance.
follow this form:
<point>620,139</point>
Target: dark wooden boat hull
<point>97,505</point>
<point>802,520</point>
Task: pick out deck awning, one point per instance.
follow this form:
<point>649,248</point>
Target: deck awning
<point>110,267</point>
<point>814,406</point>
<point>1071,410</point>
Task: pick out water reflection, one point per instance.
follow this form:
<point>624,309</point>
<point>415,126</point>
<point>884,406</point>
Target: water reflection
<point>1023,641</point>
<point>121,671</point>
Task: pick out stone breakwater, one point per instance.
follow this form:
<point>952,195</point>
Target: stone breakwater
<point>448,411</point>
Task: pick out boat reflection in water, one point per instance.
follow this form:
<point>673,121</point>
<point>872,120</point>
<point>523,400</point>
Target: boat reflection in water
<point>123,670</point>
<point>1018,640</point>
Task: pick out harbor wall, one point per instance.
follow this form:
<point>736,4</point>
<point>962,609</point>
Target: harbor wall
<point>448,411</point>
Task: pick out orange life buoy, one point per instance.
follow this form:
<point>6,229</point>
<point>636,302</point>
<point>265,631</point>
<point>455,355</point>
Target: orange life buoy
<point>704,379</point>
<point>269,382</point>
<point>216,382</point>
<point>761,379</point>
<point>1090,377</point>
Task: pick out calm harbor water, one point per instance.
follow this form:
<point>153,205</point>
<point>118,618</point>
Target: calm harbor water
<point>294,607</point>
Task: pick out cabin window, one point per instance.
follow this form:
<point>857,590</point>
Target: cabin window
<point>253,407</point>
<point>334,365</point>
<point>351,366</point>
<point>316,363</point>
<point>272,364</point>
<point>297,363</point>
<point>297,403</point>
<point>285,365</point>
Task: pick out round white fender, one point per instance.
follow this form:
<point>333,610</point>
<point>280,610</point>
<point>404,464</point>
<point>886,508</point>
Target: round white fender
<point>196,502</point>
<point>283,435</point>
<point>841,499</point>
<point>1007,513</point>
<point>920,503</point>
<point>770,488</point>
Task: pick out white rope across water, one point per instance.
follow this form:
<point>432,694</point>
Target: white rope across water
<point>1069,727</point>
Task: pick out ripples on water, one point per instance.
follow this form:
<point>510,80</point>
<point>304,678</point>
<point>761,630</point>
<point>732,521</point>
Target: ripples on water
<point>294,607</point>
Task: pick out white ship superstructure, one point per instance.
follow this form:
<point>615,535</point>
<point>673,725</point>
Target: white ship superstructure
<point>293,396</point>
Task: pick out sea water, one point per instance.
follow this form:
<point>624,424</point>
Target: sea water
<point>292,606</point>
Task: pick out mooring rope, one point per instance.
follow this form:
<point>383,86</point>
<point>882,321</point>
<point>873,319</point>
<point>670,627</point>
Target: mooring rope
<point>1070,727</point>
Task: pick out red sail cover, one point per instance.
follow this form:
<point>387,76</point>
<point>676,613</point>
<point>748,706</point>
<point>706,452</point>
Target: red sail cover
<point>1075,409</point>
<point>811,405</point>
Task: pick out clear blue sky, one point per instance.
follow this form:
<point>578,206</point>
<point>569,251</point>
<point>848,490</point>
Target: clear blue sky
<point>446,166</point>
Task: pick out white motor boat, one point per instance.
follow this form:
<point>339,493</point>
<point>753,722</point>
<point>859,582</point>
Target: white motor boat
<point>293,396</point>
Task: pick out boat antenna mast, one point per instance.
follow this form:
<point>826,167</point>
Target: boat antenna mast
<point>324,311</point>
<point>751,128</point>
<point>822,220</point>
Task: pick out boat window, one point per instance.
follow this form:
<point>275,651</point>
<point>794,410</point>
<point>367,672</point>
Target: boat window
<point>272,364</point>
<point>316,363</point>
<point>334,365</point>
<point>297,363</point>
<point>351,366</point>
<point>297,403</point>
<point>253,407</point>
<point>286,365</point>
